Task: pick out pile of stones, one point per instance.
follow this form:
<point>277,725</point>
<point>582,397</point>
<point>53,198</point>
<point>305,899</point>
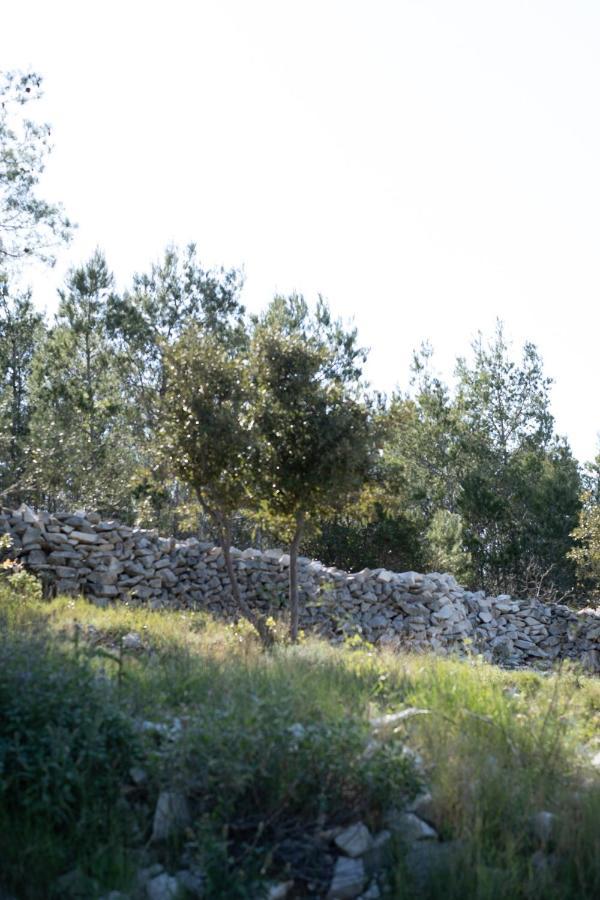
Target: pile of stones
<point>107,561</point>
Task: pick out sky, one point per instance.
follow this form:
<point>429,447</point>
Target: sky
<point>428,166</point>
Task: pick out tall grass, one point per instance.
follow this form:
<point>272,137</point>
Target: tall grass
<point>272,750</point>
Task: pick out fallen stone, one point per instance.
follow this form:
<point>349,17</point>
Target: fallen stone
<point>145,874</point>
<point>138,775</point>
<point>163,887</point>
<point>354,840</point>
<point>424,807</point>
<point>280,890</point>
<point>171,815</point>
<point>409,827</point>
<point>132,641</point>
<point>348,879</point>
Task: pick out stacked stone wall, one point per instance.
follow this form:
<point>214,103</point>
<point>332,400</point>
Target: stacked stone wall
<point>107,561</point>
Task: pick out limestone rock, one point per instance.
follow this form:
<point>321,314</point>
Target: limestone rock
<point>348,879</point>
<point>280,890</point>
<point>354,840</point>
<point>163,887</point>
<point>171,815</point>
<point>410,827</point>
<point>132,641</point>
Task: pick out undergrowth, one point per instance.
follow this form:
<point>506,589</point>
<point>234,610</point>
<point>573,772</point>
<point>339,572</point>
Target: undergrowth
<point>272,749</point>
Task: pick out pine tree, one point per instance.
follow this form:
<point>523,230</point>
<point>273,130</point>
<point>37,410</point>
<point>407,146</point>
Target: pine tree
<point>29,225</point>
<point>79,435</point>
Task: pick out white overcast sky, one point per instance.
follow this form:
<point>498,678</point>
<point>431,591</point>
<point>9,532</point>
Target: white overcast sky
<point>427,165</point>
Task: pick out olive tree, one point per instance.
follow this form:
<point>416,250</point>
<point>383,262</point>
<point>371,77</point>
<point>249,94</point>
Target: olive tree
<point>208,435</point>
<point>313,427</point>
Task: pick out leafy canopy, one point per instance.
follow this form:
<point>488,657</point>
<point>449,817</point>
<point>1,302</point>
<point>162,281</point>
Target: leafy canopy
<point>314,427</point>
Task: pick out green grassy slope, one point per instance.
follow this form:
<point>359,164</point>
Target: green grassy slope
<point>272,751</point>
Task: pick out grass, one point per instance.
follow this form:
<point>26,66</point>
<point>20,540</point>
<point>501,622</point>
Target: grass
<point>271,751</point>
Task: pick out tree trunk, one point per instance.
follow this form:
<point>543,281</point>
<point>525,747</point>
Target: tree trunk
<point>294,603</point>
<point>256,620</point>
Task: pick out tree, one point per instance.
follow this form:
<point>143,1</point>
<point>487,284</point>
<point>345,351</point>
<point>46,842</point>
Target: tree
<point>80,433</point>
<point>444,542</point>
<point>585,553</point>
<point>29,226</point>
<point>21,332</point>
<point>418,476</point>
<point>315,439</point>
<point>520,484</point>
<point>208,435</point>
<point>143,324</point>
<point>148,319</point>
<point>492,492</point>
<point>422,455</point>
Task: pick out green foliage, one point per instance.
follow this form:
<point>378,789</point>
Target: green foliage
<point>275,747</point>
<point>314,430</point>
<point>81,447</point>
<point>207,433</point>
<point>144,324</point>
<point>16,584</point>
<point>586,552</point>
<point>21,332</point>
<point>379,540</point>
<point>21,584</point>
<point>208,436</point>
<point>503,401</point>
<point>504,748</point>
<point>153,315</point>
<point>492,493</point>
<point>520,494</point>
<point>444,545</point>
<point>29,226</point>
<point>64,751</point>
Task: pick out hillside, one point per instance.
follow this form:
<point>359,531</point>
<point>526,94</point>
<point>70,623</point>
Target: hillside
<point>159,754</point>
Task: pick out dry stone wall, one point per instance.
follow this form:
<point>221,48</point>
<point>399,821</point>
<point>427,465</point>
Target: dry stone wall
<point>108,561</point>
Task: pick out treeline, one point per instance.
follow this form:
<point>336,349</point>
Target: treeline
<point>472,480</point>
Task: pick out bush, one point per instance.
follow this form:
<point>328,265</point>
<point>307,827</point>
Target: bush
<point>16,583</point>
<point>386,541</point>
